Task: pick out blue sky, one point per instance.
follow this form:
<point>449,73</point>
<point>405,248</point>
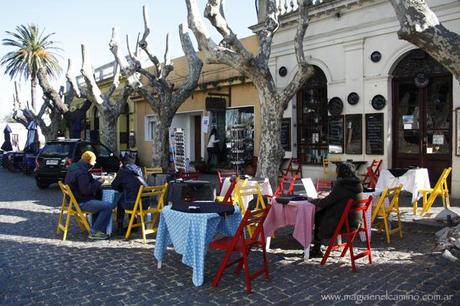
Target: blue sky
<point>91,22</point>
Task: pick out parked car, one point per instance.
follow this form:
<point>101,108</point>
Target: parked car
<point>56,156</point>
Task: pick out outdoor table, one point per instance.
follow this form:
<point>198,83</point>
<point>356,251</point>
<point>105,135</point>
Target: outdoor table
<point>264,184</point>
<point>412,180</point>
<point>179,190</point>
<point>301,214</point>
<point>190,233</point>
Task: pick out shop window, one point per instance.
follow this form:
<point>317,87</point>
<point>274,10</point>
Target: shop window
<point>312,119</point>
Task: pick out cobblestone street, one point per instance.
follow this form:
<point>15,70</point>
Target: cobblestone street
<point>37,267</point>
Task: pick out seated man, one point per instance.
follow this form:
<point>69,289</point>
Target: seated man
<point>330,208</point>
<point>128,180</point>
<point>86,191</point>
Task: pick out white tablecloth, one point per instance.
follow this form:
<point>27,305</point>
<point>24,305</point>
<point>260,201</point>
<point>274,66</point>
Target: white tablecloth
<point>265,187</point>
<point>412,180</point>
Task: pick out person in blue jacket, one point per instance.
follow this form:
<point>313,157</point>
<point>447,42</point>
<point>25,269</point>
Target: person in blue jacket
<point>87,190</point>
<point>128,180</point>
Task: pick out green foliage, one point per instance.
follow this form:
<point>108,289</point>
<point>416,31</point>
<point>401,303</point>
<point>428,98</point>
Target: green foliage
<point>33,50</point>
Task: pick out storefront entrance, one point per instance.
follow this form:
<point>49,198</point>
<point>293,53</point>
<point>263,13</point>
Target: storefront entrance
<point>422,115</point>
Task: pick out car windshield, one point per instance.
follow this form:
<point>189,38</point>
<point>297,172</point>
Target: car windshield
<point>56,149</point>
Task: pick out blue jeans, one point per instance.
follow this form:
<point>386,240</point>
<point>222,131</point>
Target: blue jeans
<point>102,214</point>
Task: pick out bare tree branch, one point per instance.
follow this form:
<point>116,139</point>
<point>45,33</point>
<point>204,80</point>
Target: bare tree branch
<point>50,93</point>
<point>420,26</point>
<point>305,71</point>
<point>154,102</point>
<point>70,76</point>
<point>143,42</point>
<point>94,93</point>
<point>116,79</point>
<point>122,64</point>
<point>215,54</point>
<point>266,34</point>
<point>214,12</point>
<point>194,67</point>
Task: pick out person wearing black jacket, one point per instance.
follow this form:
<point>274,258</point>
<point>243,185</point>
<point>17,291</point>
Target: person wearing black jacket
<point>330,209</point>
<point>86,191</point>
<point>128,180</point>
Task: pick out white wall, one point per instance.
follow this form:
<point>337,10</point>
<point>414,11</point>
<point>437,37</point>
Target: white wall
<point>342,46</point>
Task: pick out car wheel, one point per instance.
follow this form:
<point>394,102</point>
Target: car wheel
<point>42,185</point>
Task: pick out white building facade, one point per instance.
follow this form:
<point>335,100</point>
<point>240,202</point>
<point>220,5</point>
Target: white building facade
<point>373,95</point>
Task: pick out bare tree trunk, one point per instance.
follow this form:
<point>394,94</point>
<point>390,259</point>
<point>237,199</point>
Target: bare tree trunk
<point>51,131</point>
<point>163,96</point>
<point>271,151</point>
<point>33,92</point>
<point>230,51</point>
<point>160,143</point>
<point>108,130</point>
<point>420,26</point>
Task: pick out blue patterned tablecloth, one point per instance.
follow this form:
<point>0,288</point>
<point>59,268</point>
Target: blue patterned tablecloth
<point>190,233</point>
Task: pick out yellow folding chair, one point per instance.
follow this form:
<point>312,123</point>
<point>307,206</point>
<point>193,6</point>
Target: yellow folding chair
<point>389,196</point>
<point>246,191</point>
<point>148,171</point>
<point>145,194</point>
<point>70,207</point>
<point>328,170</point>
<point>440,189</point>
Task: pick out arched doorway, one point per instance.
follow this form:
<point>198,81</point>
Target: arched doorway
<point>422,116</point>
<point>312,119</point>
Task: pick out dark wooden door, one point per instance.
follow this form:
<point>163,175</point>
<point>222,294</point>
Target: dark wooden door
<point>422,127</point>
<point>197,138</point>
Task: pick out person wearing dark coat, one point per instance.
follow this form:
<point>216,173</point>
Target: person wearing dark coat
<point>128,180</point>
<point>330,209</point>
<point>86,191</point>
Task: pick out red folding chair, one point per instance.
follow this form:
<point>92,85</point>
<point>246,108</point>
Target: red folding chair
<point>228,195</point>
<point>292,185</point>
<point>243,243</point>
<point>189,175</point>
<point>344,229</point>
<point>222,174</point>
<point>323,185</point>
<point>372,175</point>
<point>96,171</point>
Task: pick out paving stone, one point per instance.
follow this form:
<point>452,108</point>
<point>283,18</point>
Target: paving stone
<point>37,267</point>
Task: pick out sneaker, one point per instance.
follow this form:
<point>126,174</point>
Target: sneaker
<point>98,236</point>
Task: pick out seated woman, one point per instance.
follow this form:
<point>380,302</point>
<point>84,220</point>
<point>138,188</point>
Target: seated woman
<point>128,180</point>
<point>330,208</point>
<point>87,190</point>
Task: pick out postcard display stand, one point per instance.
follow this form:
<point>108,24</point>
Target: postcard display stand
<point>179,150</point>
<point>238,134</point>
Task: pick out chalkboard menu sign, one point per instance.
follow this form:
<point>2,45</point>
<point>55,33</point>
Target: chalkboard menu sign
<point>374,134</point>
<point>286,134</point>
<point>354,134</point>
<point>335,135</point>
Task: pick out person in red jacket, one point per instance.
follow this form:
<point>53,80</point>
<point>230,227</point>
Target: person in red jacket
<point>86,190</point>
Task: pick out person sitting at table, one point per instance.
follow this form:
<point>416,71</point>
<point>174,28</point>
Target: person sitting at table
<point>127,181</point>
<point>87,192</point>
<point>330,208</point>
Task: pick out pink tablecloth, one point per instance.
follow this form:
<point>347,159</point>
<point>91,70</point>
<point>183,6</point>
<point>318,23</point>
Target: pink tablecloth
<point>301,214</point>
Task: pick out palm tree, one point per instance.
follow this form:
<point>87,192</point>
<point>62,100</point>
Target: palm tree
<point>34,51</point>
